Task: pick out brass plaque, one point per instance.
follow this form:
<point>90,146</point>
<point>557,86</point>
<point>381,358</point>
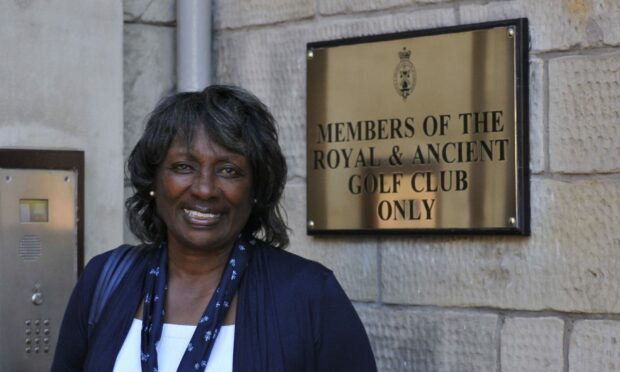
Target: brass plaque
<point>423,132</point>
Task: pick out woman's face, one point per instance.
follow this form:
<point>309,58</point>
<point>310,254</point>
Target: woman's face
<point>203,194</point>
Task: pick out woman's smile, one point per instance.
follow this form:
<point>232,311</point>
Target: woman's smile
<point>201,218</point>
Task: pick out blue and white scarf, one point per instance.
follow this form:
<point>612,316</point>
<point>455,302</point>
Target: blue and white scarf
<point>197,353</point>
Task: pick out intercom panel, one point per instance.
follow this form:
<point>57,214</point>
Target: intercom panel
<point>38,262</point>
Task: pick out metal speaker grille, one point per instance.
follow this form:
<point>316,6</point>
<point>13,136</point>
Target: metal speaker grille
<point>30,247</point>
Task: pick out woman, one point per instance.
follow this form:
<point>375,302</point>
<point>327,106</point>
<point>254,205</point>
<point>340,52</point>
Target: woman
<point>212,289</point>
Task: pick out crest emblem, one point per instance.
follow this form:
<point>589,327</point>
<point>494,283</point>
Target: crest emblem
<point>404,74</point>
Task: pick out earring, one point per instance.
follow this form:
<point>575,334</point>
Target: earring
<point>255,201</point>
<point>152,193</point>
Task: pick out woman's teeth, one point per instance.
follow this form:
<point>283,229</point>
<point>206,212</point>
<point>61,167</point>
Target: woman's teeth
<point>199,215</point>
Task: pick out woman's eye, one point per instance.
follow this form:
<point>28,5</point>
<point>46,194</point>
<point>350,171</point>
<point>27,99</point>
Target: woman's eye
<point>181,168</point>
<point>229,171</point>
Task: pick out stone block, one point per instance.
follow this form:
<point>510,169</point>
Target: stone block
<point>354,261</point>
<point>537,123</point>
<point>153,11</point>
<point>160,11</point>
<point>584,113</point>
<point>272,64</point>
<point>236,14</point>
<point>569,263</point>
<point>555,24</point>
<point>420,340</point>
<point>149,75</point>
<point>532,345</point>
<point>330,29</point>
<point>133,9</point>
<point>595,346</point>
<point>346,6</point>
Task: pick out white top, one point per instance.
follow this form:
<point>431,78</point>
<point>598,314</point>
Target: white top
<point>171,347</point>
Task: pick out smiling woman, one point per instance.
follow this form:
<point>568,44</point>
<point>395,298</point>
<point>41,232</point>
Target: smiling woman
<point>203,193</point>
<point>211,288</point>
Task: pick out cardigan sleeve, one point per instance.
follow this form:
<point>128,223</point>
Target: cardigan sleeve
<point>72,345</point>
<point>342,343</point>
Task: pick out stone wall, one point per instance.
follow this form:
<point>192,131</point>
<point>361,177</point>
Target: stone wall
<point>548,302</point>
<point>60,88</point>
<point>149,72</point>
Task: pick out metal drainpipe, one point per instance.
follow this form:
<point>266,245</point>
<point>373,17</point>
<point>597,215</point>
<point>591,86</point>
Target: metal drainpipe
<point>193,45</point>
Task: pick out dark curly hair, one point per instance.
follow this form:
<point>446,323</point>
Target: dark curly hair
<point>235,119</point>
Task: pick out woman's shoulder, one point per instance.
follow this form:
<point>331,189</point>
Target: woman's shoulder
<point>291,276</point>
<point>95,266</point>
<point>96,263</point>
<point>290,264</point>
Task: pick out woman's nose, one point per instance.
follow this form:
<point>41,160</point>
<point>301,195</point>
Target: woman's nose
<point>205,185</point>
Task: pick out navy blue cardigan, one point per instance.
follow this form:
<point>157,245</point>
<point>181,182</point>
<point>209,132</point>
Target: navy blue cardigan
<point>292,316</point>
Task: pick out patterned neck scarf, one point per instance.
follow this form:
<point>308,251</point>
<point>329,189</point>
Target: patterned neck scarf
<point>197,353</point>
